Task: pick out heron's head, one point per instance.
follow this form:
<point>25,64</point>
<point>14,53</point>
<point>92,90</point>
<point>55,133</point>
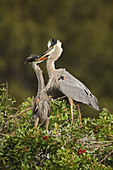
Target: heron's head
<point>52,45</point>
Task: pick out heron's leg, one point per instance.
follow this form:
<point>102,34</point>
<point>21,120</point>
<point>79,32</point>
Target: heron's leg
<point>47,123</point>
<point>79,114</point>
<point>71,104</point>
<point>36,122</point>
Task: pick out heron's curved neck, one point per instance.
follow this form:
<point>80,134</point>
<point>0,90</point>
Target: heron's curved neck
<point>40,78</point>
<point>51,67</point>
<point>51,61</point>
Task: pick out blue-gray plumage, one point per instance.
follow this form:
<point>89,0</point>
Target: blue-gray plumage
<point>64,81</point>
<point>81,94</point>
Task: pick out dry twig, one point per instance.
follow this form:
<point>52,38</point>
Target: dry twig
<point>107,156</point>
<point>15,116</point>
<point>59,98</point>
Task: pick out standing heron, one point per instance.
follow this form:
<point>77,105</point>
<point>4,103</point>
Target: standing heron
<point>41,105</point>
<point>64,81</point>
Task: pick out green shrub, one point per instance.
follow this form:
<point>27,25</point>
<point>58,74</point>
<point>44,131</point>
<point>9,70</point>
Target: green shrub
<point>63,147</point>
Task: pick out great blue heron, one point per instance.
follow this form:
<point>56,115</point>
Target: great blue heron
<point>41,105</point>
<point>63,80</point>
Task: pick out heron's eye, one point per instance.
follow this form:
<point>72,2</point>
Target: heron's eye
<point>51,47</point>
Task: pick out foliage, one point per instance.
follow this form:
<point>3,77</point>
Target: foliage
<point>62,147</point>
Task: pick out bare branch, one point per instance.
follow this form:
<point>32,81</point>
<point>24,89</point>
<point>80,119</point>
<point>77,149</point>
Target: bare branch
<point>22,112</point>
<point>14,116</point>
<point>107,156</point>
<point>59,98</point>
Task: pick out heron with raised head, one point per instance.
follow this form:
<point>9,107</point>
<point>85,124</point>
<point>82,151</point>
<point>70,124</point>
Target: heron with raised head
<point>64,81</point>
<point>41,105</point>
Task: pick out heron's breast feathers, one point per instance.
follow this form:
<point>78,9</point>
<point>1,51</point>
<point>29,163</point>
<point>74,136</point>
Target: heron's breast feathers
<point>41,105</point>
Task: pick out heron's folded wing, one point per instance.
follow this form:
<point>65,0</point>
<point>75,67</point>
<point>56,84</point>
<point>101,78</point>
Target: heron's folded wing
<point>76,90</point>
<point>35,105</point>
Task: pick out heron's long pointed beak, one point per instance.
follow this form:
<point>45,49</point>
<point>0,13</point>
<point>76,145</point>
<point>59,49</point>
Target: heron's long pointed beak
<point>40,58</point>
<point>45,55</point>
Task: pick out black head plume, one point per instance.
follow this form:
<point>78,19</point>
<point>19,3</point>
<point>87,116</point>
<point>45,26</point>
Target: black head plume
<point>53,42</point>
<point>32,58</point>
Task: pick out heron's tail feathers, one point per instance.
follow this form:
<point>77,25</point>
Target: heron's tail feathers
<point>94,103</point>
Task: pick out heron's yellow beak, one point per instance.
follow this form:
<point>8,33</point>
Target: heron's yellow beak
<point>45,55</point>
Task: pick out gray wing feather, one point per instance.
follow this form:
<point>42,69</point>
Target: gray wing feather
<point>35,107</point>
<point>76,90</point>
